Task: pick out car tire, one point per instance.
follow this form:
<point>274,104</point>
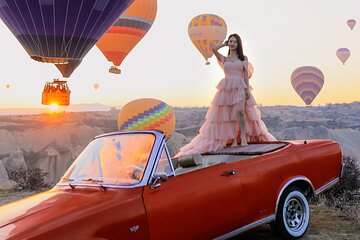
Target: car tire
<point>293,214</point>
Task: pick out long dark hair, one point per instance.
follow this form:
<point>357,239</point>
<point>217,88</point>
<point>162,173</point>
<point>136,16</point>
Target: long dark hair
<point>239,49</point>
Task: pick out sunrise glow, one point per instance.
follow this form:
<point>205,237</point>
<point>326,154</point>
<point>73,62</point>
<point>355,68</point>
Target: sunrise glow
<point>53,107</point>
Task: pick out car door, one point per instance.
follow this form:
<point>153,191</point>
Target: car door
<point>201,204</point>
<point>261,177</point>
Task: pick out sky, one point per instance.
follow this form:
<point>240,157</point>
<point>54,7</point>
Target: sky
<point>278,36</point>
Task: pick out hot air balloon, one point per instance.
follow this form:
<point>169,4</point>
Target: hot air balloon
<point>205,31</point>
<point>147,114</point>
<point>60,31</point>
<point>307,82</point>
<point>56,92</point>
<point>351,23</point>
<point>96,86</point>
<point>343,54</point>
<point>127,32</point>
<point>7,85</point>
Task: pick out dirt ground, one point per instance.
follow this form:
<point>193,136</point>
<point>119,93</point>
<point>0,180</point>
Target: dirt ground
<point>325,223</point>
<point>8,196</point>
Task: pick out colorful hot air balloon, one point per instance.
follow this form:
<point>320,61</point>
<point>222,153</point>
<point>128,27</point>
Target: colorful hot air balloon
<point>127,32</point>
<point>351,23</point>
<point>147,114</point>
<point>307,82</point>
<point>343,54</point>
<point>96,86</point>
<point>205,31</point>
<point>7,85</point>
<point>60,31</point>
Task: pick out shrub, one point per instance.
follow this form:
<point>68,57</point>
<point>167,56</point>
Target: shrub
<point>30,179</point>
<point>350,182</point>
<point>345,195</point>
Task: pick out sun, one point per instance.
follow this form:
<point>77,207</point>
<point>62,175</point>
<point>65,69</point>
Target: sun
<point>53,107</point>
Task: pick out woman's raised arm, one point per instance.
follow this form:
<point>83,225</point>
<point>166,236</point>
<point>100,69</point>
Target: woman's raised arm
<point>216,48</point>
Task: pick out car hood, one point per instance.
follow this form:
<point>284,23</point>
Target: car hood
<point>58,207</point>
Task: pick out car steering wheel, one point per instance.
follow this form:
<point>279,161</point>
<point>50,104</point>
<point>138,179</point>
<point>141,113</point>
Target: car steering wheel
<point>134,172</point>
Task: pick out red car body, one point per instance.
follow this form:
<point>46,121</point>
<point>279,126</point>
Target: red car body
<point>235,191</point>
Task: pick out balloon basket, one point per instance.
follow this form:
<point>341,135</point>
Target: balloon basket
<point>56,92</point>
<point>114,70</point>
<point>207,63</point>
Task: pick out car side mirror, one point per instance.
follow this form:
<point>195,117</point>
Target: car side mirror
<point>157,179</point>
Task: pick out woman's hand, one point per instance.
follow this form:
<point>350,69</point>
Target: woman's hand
<point>220,45</point>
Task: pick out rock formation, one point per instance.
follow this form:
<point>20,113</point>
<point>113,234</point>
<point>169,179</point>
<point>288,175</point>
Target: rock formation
<point>3,174</point>
<point>8,143</point>
<point>175,142</point>
<point>14,161</point>
<point>5,182</point>
<point>308,132</point>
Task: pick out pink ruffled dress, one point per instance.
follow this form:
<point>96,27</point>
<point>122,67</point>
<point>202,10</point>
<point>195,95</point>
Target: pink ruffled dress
<point>221,120</point>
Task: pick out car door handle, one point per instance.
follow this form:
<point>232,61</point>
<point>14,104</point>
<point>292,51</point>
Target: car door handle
<point>230,172</point>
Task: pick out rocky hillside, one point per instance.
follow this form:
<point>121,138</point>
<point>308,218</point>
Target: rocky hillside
<point>52,141</point>
<point>48,142</point>
<point>340,122</point>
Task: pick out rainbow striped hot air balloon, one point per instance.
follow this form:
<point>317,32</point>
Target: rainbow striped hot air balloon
<point>343,54</point>
<point>127,32</point>
<point>351,23</point>
<point>147,114</point>
<point>307,82</point>
<point>205,31</point>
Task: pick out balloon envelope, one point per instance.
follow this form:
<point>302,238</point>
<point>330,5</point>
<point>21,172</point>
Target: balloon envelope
<point>7,85</point>
<point>68,68</point>
<point>147,114</point>
<point>59,31</point>
<point>205,31</point>
<point>127,31</point>
<point>351,23</point>
<point>343,54</point>
<point>96,86</point>
<point>307,82</point>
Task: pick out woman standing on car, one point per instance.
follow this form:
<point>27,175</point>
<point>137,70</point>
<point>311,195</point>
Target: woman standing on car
<point>233,107</point>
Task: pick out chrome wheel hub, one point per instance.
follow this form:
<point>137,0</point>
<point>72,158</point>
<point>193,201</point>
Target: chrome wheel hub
<point>295,213</point>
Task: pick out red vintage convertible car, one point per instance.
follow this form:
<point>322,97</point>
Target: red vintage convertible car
<point>124,185</point>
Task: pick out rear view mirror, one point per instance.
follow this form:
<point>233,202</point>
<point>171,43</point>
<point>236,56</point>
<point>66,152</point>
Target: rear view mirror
<point>163,176</point>
<point>157,179</point>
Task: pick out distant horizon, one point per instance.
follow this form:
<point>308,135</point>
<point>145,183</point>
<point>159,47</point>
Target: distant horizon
<point>98,107</point>
<point>178,106</point>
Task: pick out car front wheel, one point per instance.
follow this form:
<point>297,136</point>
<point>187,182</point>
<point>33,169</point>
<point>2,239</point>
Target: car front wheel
<point>293,214</point>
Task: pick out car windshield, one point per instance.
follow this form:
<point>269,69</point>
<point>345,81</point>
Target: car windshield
<point>115,159</point>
